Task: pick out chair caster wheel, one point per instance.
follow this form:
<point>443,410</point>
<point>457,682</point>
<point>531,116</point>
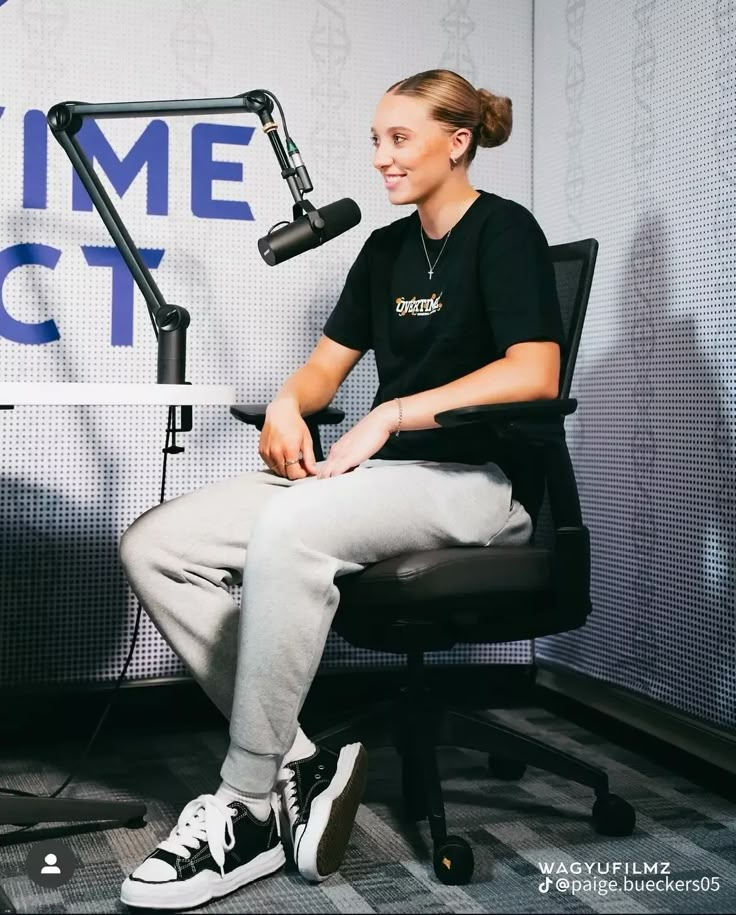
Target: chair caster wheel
<point>509,770</point>
<point>453,861</point>
<point>613,816</point>
<point>136,823</point>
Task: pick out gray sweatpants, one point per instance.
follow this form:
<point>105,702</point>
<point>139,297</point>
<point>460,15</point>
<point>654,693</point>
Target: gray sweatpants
<point>286,541</point>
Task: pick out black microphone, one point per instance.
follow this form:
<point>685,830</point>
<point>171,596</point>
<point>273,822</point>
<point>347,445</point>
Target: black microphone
<point>302,235</point>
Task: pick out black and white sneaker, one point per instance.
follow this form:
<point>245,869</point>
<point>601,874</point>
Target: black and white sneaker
<point>214,849</point>
<point>320,796</point>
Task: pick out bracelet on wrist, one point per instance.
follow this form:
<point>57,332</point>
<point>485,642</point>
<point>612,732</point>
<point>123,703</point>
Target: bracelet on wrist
<point>401,416</point>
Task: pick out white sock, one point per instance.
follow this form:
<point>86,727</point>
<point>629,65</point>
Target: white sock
<point>259,805</point>
<point>302,748</point>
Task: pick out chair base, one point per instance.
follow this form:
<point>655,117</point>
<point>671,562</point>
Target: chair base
<point>416,724</point>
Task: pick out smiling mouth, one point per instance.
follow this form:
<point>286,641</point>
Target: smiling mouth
<point>392,180</point>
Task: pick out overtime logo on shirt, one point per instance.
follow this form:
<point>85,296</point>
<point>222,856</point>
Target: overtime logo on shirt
<point>419,308</point>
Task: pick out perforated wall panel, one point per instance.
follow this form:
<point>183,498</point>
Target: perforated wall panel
<point>74,478</point>
<point>635,145</point>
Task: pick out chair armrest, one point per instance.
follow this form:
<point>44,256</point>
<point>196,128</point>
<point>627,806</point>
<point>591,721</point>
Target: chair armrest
<point>532,410</point>
<point>255,415</point>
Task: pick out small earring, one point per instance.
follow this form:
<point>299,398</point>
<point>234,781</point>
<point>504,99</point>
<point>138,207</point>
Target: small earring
<point>453,162</point>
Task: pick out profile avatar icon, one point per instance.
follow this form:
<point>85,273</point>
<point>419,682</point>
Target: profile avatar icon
<point>51,867</point>
<point>51,863</point>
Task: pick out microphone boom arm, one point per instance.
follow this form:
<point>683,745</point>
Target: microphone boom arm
<point>170,322</point>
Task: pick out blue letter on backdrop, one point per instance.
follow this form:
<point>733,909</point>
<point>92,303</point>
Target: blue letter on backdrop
<point>35,159</point>
<point>11,328</point>
<point>122,286</point>
<point>152,147</point>
<point>205,170</point>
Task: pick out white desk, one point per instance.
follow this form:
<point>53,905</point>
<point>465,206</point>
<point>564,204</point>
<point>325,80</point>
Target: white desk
<point>32,393</point>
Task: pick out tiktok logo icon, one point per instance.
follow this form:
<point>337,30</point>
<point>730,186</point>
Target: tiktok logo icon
<point>545,884</point>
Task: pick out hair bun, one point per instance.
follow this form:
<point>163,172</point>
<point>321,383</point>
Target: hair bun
<point>495,118</point>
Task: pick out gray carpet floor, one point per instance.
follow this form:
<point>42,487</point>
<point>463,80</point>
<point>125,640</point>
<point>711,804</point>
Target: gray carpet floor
<point>516,829</point>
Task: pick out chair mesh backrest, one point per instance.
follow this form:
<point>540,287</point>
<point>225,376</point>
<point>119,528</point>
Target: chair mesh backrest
<point>573,264</point>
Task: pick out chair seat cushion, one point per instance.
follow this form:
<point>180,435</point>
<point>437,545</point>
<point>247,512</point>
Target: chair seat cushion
<point>433,599</point>
<point>448,575</point>
<point>430,601</point>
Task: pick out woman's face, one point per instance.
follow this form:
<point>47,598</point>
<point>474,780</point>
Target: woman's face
<point>412,151</point>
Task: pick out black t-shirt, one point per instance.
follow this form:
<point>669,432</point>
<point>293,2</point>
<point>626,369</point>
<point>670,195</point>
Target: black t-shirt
<point>493,286</point>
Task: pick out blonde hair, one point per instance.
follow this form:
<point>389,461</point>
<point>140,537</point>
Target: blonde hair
<point>457,104</point>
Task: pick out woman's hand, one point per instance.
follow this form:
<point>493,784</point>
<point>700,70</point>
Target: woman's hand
<point>286,443</point>
<point>360,443</point>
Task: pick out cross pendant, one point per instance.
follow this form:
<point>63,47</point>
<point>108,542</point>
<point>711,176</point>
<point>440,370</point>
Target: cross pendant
<point>430,274</point>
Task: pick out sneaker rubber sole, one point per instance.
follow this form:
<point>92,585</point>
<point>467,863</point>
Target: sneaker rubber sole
<point>206,885</point>
<point>322,845</point>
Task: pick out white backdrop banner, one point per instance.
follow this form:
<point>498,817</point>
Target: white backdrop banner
<point>196,193</point>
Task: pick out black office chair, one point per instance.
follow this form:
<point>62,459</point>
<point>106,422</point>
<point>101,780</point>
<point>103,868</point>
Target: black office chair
<point>433,600</point>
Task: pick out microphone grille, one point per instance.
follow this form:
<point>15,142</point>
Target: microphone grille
<point>339,217</point>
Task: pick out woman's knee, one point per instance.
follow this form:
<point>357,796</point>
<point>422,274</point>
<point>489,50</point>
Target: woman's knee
<point>142,540</point>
